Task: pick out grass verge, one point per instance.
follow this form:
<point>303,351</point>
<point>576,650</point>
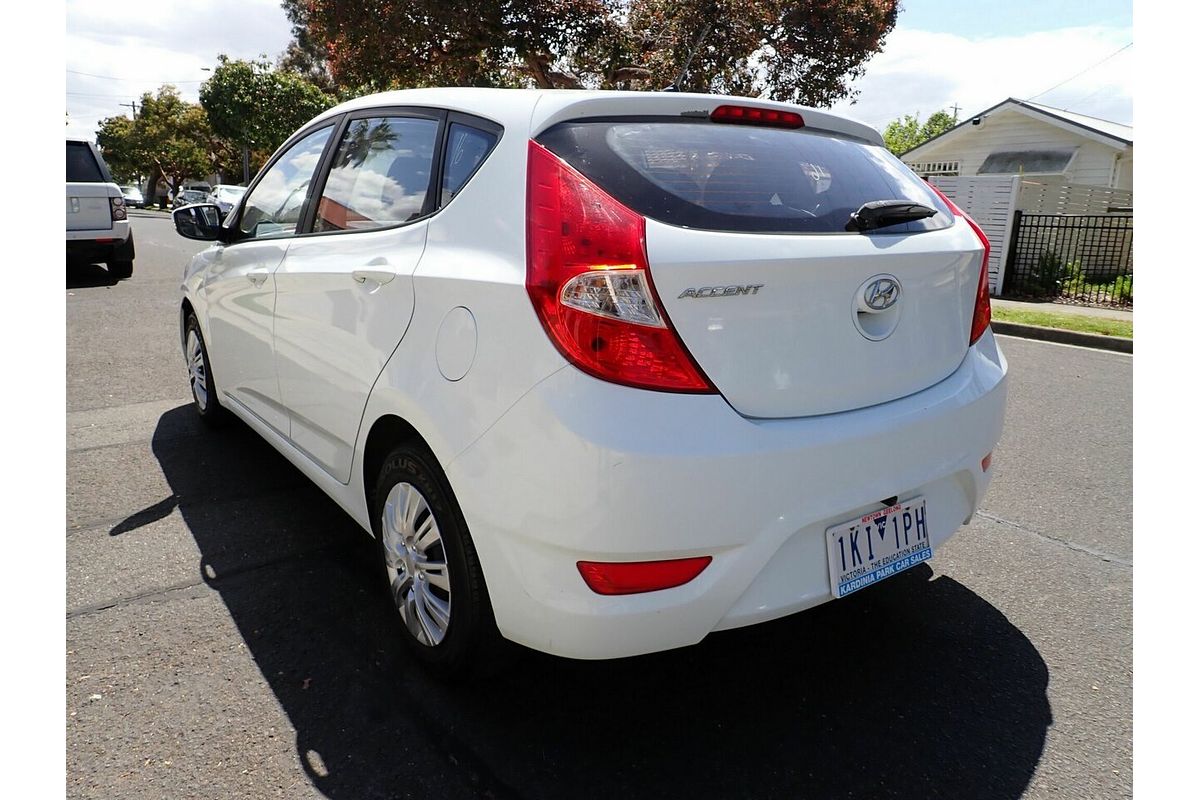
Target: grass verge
<point>1070,322</point>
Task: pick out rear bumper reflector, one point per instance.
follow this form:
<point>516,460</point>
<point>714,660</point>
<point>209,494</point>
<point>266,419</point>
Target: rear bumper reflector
<point>634,577</point>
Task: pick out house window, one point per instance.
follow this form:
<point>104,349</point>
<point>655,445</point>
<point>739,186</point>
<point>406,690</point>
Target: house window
<point>1013,162</point>
<point>927,169</point>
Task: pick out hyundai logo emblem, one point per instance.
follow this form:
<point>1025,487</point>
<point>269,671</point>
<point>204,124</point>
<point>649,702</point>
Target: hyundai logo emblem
<point>881,293</point>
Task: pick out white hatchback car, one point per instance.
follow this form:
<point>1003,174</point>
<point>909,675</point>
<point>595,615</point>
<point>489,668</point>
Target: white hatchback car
<point>603,372</point>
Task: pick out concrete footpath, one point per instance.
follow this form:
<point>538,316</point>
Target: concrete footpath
<point>1059,335</point>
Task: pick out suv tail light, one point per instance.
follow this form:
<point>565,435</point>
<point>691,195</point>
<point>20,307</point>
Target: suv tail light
<point>588,277</point>
<point>117,205</point>
<point>983,302</point>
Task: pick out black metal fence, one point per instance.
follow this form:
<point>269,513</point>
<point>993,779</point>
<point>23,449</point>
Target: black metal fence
<point>1085,259</point>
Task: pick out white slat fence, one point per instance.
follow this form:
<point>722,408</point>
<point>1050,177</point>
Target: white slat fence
<point>990,202</point>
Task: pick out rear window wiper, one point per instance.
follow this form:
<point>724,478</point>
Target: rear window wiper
<point>882,213</point>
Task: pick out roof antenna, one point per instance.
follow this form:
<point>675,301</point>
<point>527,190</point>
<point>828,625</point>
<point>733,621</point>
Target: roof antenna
<point>678,82</point>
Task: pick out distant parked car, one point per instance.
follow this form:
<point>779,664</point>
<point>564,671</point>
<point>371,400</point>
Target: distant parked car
<point>97,224</point>
<point>187,197</point>
<point>225,197</point>
<point>133,197</point>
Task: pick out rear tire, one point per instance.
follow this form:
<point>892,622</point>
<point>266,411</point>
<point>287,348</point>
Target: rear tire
<point>204,390</point>
<point>430,569</point>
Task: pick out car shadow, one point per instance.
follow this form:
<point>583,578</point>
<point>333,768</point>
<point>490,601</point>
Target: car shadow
<point>913,688</point>
<point>84,276</point>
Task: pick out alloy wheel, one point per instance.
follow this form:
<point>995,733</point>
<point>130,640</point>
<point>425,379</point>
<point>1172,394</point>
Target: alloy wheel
<point>197,370</point>
<point>415,557</point>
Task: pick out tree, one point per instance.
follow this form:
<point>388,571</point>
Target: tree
<point>117,140</point>
<point>804,51</point>
<point>304,55</point>
<point>256,106</point>
<point>902,135</point>
<point>168,137</point>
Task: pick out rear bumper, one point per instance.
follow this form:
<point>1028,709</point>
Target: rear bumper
<point>119,231</point>
<point>580,469</point>
<point>102,246</point>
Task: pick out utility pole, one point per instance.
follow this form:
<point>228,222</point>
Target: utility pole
<point>955,107</point>
<point>132,105</point>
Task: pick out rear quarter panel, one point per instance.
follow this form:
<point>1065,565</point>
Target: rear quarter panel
<point>474,258</point>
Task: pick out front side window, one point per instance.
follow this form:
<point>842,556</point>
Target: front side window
<point>380,174</point>
<point>276,204</point>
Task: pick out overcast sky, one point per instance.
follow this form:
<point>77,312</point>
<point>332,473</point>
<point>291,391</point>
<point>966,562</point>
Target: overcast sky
<point>942,53</point>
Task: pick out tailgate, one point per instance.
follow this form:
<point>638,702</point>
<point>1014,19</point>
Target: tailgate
<point>88,207</point>
<point>777,322</point>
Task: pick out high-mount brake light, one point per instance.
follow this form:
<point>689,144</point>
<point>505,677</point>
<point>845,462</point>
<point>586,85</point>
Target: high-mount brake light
<point>589,280</point>
<point>983,301</point>
<point>752,115</point>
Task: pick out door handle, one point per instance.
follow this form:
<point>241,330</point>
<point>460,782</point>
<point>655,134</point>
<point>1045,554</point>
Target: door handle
<point>379,276</point>
<point>257,276</point>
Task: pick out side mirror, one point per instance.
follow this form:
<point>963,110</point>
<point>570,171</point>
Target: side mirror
<point>201,221</point>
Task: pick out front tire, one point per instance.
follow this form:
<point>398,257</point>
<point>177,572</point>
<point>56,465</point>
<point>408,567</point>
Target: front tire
<point>204,390</point>
<point>431,569</point>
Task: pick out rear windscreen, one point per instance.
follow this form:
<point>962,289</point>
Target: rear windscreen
<point>700,174</point>
<point>81,164</point>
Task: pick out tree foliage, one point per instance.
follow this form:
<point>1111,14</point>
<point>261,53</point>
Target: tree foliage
<point>902,135</point>
<point>804,51</point>
<point>304,55</point>
<point>167,137</point>
<point>254,105</point>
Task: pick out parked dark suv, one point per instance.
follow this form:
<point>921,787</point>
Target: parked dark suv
<point>97,220</point>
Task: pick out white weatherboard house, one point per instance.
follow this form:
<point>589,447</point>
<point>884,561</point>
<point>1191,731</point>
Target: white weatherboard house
<point>1017,137</point>
<point>1023,156</point>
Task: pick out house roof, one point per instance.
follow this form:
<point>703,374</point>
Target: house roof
<point>1112,133</point>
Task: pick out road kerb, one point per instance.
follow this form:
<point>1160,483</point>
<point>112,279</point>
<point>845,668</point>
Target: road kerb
<point>1114,343</point>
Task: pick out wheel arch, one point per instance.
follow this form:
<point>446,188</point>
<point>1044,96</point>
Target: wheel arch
<point>387,432</point>
<point>185,310</point>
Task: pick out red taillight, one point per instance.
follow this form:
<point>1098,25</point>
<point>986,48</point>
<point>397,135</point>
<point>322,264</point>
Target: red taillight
<point>983,302</point>
<point>750,115</point>
<point>589,280</point>
<point>117,204</point>
<point>633,577</point>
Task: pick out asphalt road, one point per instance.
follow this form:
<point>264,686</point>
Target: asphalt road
<point>223,639</point>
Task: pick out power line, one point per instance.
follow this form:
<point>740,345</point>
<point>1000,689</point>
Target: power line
<point>130,80</point>
<point>1089,69</point>
<point>1084,99</point>
<point>86,94</point>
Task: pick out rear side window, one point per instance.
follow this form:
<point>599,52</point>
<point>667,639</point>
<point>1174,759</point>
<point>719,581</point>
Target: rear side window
<point>466,148</point>
<point>380,174</point>
<point>699,174</point>
<point>81,164</point>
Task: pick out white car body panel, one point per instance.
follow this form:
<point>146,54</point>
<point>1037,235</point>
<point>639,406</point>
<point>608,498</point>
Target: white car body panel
<point>551,466</point>
<point>334,333</point>
<point>787,350</point>
<point>89,212</point>
<point>641,476</point>
<point>239,287</point>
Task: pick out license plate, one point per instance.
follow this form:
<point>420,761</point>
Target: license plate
<point>878,545</point>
